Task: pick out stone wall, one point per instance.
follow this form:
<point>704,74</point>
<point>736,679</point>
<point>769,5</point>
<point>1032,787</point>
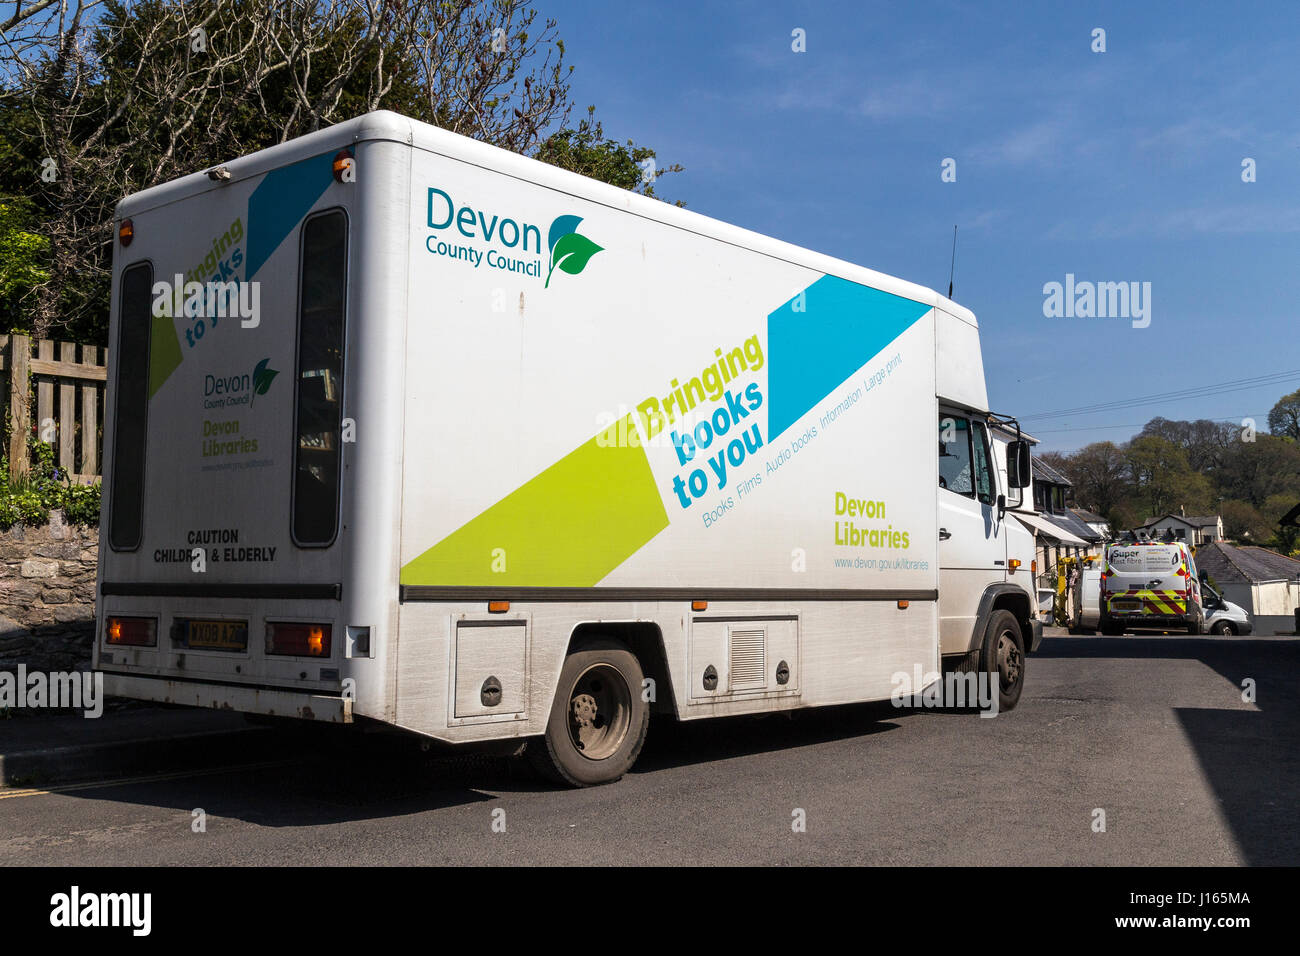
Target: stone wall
<point>47,595</point>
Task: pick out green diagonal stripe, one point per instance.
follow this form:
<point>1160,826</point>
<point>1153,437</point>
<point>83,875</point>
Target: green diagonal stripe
<point>568,527</point>
<point>164,351</point>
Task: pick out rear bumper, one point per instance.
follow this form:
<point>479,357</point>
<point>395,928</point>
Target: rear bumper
<point>249,700</point>
<point>1137,619</point>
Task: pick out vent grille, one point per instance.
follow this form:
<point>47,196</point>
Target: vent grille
<point>748,658</point>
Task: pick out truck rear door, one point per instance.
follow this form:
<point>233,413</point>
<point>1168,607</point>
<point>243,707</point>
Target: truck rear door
<point>223,455</point>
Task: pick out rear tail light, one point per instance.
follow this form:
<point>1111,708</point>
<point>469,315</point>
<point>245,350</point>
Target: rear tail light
<point>131,631</point>
<point>297,640</point>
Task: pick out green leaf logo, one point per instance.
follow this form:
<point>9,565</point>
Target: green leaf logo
<point>570,252</point>
<point>262,379</point>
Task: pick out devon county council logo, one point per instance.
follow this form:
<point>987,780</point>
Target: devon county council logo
<point>263,376</point>
<point>570,252</point>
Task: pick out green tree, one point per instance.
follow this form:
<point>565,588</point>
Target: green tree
<point>1257,470</point>
<point>1101,479</point>
<point>585,149</point>
<point>1244,523</point>
<point>1284,419</point>
<point>24,255</point>
<point>1162,478</point>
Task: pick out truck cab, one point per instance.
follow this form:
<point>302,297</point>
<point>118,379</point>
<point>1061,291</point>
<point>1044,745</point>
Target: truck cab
<point>986,619</point>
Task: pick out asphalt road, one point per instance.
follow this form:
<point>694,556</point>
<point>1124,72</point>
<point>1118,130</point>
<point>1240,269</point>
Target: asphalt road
<point>1151,730</point>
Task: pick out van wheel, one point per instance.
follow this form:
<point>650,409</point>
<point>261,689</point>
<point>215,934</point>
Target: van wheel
<point>1003,657</point>
<point>1223,629</point>
<point>598,721</point>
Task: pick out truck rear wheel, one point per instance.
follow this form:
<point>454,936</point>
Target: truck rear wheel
<point>598,720</point>
<point>1003,657</point>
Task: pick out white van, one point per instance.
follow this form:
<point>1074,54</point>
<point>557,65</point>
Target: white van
<point>1222,617</point>
<point>1150,585</point>
<point>487,450</point>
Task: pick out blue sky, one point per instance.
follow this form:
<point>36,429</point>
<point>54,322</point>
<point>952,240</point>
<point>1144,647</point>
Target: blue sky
<point>1115,166</point>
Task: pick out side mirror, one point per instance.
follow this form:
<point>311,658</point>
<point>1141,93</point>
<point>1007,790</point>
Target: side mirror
<point>1019,467</point>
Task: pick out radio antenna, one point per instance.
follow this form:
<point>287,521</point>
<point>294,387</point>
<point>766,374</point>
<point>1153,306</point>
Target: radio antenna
<point>954,259</point>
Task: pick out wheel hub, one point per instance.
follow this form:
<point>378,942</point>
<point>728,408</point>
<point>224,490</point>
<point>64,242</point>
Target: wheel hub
<point>600,708</point>
<point>1010,661</point>
<point>584,711</point>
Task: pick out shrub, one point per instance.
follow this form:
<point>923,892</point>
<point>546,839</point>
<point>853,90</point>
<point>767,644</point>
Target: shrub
<point>30,500</point>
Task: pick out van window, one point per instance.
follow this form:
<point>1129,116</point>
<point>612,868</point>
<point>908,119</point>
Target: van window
<point>980,451</point>
<point>131,410</point>
<point>954,454</point>
<point>318,403</point>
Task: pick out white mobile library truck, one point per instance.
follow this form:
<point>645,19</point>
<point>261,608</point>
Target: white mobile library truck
<point>411,429</point>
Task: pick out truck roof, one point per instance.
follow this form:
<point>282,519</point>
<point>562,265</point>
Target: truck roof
<point>393,127</point>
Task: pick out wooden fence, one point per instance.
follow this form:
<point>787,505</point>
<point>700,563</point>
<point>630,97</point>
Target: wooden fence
<point>73,424</point>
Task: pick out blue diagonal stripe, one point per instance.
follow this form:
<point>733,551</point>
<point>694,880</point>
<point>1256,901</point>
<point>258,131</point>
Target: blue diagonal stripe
<point>279,203</point>
<point>810,352</point>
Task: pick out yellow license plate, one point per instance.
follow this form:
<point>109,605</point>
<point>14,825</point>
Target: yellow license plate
<point>1129,605</point>
<point>216,635</point>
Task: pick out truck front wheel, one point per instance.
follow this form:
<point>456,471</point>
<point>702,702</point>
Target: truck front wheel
<point>598,720</point>
<point>1003,657</point>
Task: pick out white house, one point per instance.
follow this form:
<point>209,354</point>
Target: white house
<point>1194,529</point>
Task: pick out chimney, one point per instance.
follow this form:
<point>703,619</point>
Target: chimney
<point>1182,511</point>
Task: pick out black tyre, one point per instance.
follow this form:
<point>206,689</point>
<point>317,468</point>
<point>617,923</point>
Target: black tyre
<point>598,720</point>
<point>1002,656</point>
<point>1223,629</point>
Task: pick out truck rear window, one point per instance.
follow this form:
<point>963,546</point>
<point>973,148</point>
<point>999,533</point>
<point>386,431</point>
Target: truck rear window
<point>322,301</point>
<point>130,413</point>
